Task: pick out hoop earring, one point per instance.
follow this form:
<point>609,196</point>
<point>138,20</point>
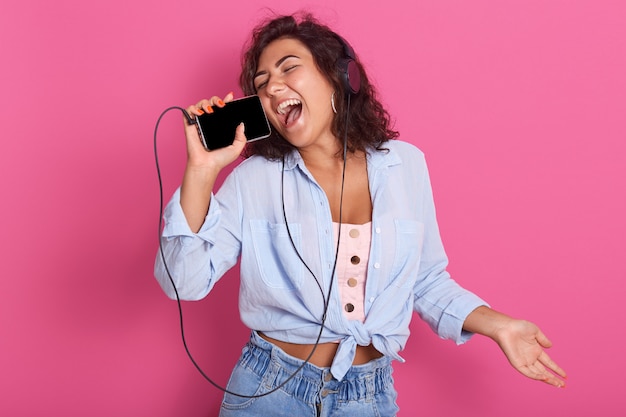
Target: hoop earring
<point>332,102</point>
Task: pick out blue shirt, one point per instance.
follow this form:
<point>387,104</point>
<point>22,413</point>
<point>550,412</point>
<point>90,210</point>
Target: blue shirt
<point>278,294</point>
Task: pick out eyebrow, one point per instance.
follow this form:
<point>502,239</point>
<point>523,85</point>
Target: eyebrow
<point>276,65</point>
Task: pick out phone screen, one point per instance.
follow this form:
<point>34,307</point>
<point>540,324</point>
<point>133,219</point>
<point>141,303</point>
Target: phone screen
<point>217,129</point>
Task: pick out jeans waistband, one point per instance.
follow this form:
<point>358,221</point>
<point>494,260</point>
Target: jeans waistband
<point>312,383</point>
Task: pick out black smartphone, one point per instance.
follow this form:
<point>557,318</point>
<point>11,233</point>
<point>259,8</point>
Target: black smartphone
<point>217,129</point>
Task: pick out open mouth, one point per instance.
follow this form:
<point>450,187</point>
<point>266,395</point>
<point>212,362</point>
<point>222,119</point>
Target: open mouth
<point>290,110</point>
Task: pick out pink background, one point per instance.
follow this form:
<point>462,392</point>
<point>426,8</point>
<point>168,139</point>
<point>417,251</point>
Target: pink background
<point>519,106</point>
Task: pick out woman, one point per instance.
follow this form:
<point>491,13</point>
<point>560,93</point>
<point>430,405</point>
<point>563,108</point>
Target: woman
<point>333,223</point>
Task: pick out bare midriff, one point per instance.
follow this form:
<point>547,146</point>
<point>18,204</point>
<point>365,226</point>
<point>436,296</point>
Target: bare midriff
<point>324,353</point>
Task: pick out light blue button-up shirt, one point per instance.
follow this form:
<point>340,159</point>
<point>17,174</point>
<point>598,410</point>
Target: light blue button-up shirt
<point>278,294</point>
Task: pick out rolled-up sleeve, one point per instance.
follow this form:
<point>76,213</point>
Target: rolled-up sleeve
<point>188,261</point>
<point>438,299</point>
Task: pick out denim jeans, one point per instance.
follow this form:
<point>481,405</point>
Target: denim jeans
<point>366,390</point>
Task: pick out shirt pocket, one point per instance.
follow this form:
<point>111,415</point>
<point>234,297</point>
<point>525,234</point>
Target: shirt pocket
<point>278,264</point>
<point>409,242</point>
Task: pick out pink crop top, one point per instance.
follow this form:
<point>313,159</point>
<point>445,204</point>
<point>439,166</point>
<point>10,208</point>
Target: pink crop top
<point>353,256</point>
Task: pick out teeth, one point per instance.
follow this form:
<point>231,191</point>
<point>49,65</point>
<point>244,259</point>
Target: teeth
<point>282,106</point>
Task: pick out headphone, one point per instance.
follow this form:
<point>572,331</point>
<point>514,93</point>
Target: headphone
<point>349,72</point>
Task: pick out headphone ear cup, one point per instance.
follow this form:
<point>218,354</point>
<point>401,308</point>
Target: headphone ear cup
<point>350,75</point>
<point>348,69</point>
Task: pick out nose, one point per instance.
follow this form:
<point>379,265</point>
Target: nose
<point>274,86</point>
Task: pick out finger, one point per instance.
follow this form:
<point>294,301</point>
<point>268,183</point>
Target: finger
<point>229,97</point>
<point>551,379</point>
<point>194,110</point>
<point>207,105</point>
<point>543,340</point>
<point>550,364</point>
<point>535,371</point>
<point>240,136</point>
<point>538,371</point>
<point>219,102</point>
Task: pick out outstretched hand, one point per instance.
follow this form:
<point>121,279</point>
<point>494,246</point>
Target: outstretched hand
<point>523,343</point>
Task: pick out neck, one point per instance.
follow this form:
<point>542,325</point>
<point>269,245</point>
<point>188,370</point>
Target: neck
<point>323,156</point>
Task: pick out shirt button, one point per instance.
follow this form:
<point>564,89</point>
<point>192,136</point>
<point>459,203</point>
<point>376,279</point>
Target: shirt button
<point>354,233</point>
<point>355,260</point>
<point>376,265</point>
<point>352,282</point>
<point>349,307</point>
<point>371,299</point>
<point>378,230</point>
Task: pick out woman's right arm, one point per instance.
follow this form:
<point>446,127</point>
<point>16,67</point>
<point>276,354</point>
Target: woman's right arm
<point>204,166</point>
<point>185,258</point>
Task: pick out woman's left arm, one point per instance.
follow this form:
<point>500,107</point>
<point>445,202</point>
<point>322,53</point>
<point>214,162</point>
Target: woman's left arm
<point>522,342</point>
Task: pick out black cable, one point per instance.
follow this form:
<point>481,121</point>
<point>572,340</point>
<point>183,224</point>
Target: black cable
<point>178,302</point>
<point>326,298</point>
<point>169,275</point>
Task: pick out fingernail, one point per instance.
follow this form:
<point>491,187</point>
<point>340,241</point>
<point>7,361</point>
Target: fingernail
<point>209,109</point>
<point>200,111</point>
<point>220,103</point>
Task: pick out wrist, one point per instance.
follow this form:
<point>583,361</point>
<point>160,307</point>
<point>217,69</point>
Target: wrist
<point>202,169</point>
<point>487,322</point>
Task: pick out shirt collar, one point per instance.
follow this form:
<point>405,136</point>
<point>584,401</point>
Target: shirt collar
<point>292,159</point>
<point>385,158</point>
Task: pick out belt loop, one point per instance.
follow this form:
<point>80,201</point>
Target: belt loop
<point>370,384</point>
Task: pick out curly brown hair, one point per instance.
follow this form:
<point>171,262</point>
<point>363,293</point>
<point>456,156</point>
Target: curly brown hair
<point>368,125</point>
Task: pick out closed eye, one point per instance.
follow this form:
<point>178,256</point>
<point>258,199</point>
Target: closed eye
<point>261,85</point>
<point>278,64</point>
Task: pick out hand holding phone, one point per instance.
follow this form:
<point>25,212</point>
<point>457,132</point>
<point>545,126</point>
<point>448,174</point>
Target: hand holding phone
<point>217,129</point>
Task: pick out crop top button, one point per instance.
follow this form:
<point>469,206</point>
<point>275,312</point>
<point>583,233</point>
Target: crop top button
<point>355,260</point>
<point>352,282</point>
<point>354,233</point>
<point>349,307</point>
